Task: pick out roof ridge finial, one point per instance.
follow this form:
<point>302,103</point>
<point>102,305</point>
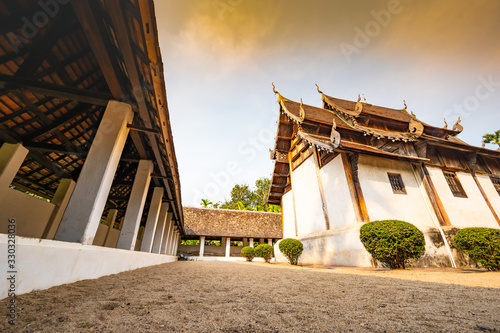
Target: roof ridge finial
<point>364,98</point>
<point>445,124</point>
<point>406,106</point>
<point>274,88</point>
<point>317,88</point>
<point>359,98</point>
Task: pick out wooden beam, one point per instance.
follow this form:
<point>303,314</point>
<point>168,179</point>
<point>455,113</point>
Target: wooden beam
<point>48,89</point>
<point>293,194</point>
<point>350,163</point>
<point>143,129</point>
<point>437,204</point>
<point>321,190</point>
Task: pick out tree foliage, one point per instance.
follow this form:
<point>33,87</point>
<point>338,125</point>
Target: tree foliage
<point>492,138</point>
<point>245,198</point>
<point>264,251</point>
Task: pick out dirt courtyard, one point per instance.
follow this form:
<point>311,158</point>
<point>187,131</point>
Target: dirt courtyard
<point>258,297</point>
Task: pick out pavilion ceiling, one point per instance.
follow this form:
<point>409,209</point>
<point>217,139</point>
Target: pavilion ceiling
<point>55,82</point>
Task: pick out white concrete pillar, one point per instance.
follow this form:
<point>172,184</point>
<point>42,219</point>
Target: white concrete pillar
<point>202,246</point>
<point>60,200</point>
<point>110,222</point>
<point>172,243</point>
<point>270,241</point>
<point>169,224</point>
<point>11,159</point>
<point>251,242</point>
<point>176,243</point>
<point>133,215</point>
<point>228,247</point>
<point>81,218</point>
<point>152,220</point>
<point>160,227</point>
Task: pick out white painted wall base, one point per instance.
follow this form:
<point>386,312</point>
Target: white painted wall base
<point>41,264</point>
<point>342,247</point>
<point>339,247</point>
<point>205,258</point>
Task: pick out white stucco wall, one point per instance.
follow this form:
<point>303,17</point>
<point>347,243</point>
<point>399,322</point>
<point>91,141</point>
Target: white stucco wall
<point>31,214</point>
<point>310,216</point>
<point>464,212</point>
<point>340,247</point>
<point>491,193</point>
<point>337,196</point>
<point>42,264</point>
<point>382,203</point>
<point>288,215</point>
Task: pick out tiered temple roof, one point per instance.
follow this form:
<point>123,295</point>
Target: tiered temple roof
<point>359,127</point>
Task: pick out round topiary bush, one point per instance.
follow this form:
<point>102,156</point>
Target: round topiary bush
<point>481,245</point>
<point>248,252</point>
<point>264,251</point>
<point>291,249</point>
<point>392,242</point>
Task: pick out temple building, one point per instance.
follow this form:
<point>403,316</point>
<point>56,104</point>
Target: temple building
<point>349,162</point>
<point>87,158</point>
<point>220,234</point>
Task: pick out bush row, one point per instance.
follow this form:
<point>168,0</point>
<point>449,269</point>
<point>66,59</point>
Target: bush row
<point>291,249</point>
<point>394,242</point>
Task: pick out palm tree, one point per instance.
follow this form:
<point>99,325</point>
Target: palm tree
<point>206,203</point>
<point>492,138</point>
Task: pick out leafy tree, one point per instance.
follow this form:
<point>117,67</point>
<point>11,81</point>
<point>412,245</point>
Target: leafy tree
<point>492,138</point>
<point>245,198</point>
<point>206,203</point>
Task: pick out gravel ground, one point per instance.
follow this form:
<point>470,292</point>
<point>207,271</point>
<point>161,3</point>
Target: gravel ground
<point>258,297</point>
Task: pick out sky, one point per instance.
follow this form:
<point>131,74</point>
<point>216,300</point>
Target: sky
<point>221,56</point>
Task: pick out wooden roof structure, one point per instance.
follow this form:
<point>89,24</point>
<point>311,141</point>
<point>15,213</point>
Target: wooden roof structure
<point>211,222</point>
<point>60,64</point>
<point>359,127</point>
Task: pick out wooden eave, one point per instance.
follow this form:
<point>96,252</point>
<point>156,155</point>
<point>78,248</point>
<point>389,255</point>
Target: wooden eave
<point>54,89</point>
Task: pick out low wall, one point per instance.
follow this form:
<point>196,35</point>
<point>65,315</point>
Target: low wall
<point>41,264</point>
<point>342,247</point>
<point>209,251</point>
<point>31,214</point>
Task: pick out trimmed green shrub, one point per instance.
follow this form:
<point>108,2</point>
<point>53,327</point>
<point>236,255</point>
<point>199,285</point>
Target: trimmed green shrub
<point>291,249</point>
<point>481,245</point>
<point>248,252</point>
<point>392,242</point>
<point>264,251</point>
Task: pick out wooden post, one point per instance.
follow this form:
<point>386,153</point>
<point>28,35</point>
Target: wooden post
<point>436,202</point>
<point>321,191</point>
<point>351,171</point>
<point>293,193</point>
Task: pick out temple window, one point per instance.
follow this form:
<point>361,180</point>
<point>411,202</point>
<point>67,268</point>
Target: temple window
<point>454,184</point>
<point>496,183</point>
<point>398,187</point>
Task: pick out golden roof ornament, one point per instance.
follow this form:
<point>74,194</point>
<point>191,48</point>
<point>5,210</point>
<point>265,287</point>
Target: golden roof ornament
<point>317,88</point>
<point>457,127</point>
<point>416,127</point>
<point>406,106</point>
<point>359,106</point>
<point>445,124</point>
<point>302,112</point>
<point>484,143</point>
<point>280,98</point>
